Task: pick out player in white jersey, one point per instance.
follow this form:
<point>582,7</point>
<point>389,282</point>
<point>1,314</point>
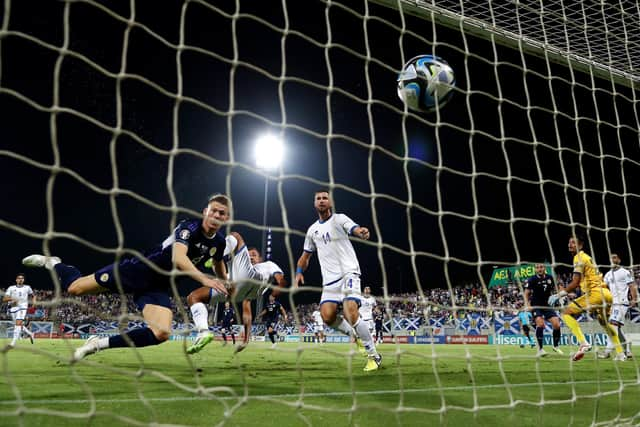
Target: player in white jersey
<point>318,326</point>
<point>367,304</point>
<point>18,297</point>
<point>329,237</point>
<point>249,278</point>
<point>620,282</point>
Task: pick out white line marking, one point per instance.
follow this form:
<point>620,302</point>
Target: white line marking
<point>323,394</point>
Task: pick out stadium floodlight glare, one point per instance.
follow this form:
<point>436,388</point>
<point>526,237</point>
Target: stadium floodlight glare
<point>268,151</point>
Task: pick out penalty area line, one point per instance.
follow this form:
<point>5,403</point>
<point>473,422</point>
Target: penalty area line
<point>311,395</point>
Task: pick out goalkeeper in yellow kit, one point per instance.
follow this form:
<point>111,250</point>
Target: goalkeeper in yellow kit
<point>595,299</point>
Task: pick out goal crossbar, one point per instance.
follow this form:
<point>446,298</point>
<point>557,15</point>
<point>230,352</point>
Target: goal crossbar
<point>542,34</point>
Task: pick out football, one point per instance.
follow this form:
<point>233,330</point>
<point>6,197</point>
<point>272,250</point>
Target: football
<point>425,83</point>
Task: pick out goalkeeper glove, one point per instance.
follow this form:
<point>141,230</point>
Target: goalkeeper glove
<point>553,299</point>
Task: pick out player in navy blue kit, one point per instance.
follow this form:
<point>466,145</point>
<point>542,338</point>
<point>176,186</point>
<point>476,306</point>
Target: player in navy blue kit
<point>378,319</point>
<point>538,289</point>
<point>148,278</point>
<point>228,318</point>
<point>270,314</point>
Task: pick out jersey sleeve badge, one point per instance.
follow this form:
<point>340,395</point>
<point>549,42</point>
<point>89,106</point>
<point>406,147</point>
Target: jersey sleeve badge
<point>185,234</point>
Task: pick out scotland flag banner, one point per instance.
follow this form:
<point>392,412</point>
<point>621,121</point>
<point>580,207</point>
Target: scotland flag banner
<point>473,323</point>
<point>507,324</point>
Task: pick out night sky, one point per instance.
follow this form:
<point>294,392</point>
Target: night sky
<point>497,177</point>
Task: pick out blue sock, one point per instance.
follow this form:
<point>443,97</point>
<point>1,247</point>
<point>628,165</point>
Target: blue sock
<point>67,274</point>
<point>141,337</point>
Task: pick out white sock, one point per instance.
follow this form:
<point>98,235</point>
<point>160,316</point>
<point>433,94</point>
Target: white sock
<point>362,330</point>
<point>200,316</point>
<point>343,326</point>
<point>610,346</point>
<point>27,331</point>
<point>102,343</point>
<point>17,330</point>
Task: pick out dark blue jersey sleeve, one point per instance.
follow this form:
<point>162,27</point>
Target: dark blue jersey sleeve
<point>185,230</point>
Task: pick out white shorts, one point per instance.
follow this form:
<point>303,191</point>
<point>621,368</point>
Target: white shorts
<point>618,313</point>
<point>246,279</point>
<point>346,288</point>
<point>318,328</point>
<point>18,313</point>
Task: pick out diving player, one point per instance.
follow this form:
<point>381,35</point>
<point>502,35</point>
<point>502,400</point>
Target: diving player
<point>149,278</point>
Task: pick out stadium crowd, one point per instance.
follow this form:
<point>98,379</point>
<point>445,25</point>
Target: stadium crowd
<point>437,302</point>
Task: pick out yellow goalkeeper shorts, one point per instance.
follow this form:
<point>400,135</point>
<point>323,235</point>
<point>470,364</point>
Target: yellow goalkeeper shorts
<point>598,301</point>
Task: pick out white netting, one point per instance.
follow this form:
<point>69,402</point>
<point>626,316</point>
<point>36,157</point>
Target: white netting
<point>120,118</point>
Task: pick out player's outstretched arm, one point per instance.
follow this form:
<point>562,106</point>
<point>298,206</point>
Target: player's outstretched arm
<point>303,263</point>
<point>184,264</point>
<point>527,296</point>
<point>220,269</point>
<point>634,294</point>
<point>6,297</point>
<point>575,282</point>
<point>361,232</point>
<point>281,282</point>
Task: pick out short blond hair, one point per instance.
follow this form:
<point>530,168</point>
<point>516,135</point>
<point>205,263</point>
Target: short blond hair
<point>223,199</point>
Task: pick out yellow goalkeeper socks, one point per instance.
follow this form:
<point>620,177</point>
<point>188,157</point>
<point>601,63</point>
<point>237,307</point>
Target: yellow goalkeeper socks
<point>613,336</point>
<point>575,327</point>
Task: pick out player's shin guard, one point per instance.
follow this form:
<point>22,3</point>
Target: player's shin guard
<point>67,274</point>
<point>363,332</point>
<point>272,337</point>
<point>141,337</point>
<point>575,327</point>
<point>343,326</point>
<point>556,337</point>
<point>540,335</point>
<point>200,316</point>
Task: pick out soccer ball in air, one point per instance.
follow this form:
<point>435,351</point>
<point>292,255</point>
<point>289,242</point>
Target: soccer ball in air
<point>425,83</point>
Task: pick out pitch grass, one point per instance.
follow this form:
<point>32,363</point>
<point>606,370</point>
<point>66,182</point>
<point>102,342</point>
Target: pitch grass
<point>299,384</point>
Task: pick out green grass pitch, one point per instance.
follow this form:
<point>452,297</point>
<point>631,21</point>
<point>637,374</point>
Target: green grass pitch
<point>306,384</point>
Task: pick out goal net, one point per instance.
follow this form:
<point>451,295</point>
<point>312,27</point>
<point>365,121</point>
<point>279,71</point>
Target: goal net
<point>119,119</point>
